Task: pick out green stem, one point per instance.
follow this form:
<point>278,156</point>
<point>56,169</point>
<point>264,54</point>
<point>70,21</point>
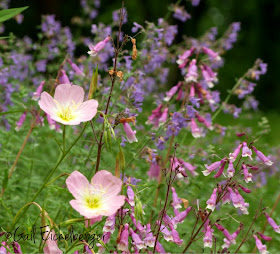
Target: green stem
<point>64,139</point>
<point>19,215</point>
<point>228,96</point>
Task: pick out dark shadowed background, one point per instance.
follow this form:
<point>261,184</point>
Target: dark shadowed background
<point>259,36</point>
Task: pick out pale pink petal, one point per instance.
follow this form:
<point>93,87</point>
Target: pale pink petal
<point>77,184</point>
<point>56,118</point>
<point>62,93</point>
<point>47,104</point>
<point>66,94</point>
<point>87,110</point>
<point>106,181</point>
<point>113,204</point>
<point>77,94</point>
<point>93,220</point>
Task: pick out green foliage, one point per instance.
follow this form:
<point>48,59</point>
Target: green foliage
<point>9,13</point>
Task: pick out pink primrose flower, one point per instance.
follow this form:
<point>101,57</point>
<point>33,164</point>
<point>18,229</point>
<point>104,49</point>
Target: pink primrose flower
<point>68,106</point>
<point>97,198</point>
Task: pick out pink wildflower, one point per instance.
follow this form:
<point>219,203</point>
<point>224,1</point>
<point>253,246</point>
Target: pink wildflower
<point>53,125</point>
<point>154,170</point>
<point>191,76</point>
<point>225,232</point>
<point>211,203</point>
<point>188,167</point>
<point>38,92</point>
<point>244,189</point>
<point>68,106</point>
<point>220,171</point>
<point>227,243</point>
<point>167,235</point>
<point>179,218</point>
<point>137,240</point>
<point>265,159</point>
<point>110,224</point>
<point>261,247</point>
<point>265,237</point>
<point>207,240</point>
<point>130,194</point>
<point>100,197</point>
<point>175,236</point>
<point>211,53</point>
<point>175,200</point>
<point>272,223</point>
<point>123,244</point>
<point>130,134</point>
<point>212,167</point>
<point>164,116</point>
<point>183,59</point>
<point>50,242</point>
<point>230,170</point>
<point>20,121</point>
<point>94,49</point>
<point>76,68</point>
<point>172,91</point>
<point>196,131</point>
<point>238,201</point>
<point>247,175</point>
<point>159,248</point>
<point>150,239</point>
<point>246,152</point>
<point>63,78</point>
<point>233,156</point>
<point>154,117</point>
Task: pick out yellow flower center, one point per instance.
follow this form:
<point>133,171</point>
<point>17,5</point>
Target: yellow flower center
<point>68,112</point>
<point>93,202</point>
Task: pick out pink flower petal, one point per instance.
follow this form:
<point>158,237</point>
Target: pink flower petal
<point>113,204</point>
<point>47,103</point>
<point>87,110</point>
<point>105,180</point>
<point>77,184</point>
<point>66,94</point>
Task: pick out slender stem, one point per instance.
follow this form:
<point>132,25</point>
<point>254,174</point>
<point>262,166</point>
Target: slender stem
<point>21,149</point>
<point>94,132</point>
<point>198,230</point>
<point>249,230</point>
<point>64,139</point>
<point>64,174</point>
<point>112,88</point>
<point>17,218</point>
<point>228,96</point>
<point>160,178</point>
<point>265,225</point>
<point>167,195</point>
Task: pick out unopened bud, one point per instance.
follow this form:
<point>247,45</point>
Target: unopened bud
<point>240,134</point>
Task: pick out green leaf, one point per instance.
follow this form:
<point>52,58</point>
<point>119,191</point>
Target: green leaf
<point>9,13</point>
